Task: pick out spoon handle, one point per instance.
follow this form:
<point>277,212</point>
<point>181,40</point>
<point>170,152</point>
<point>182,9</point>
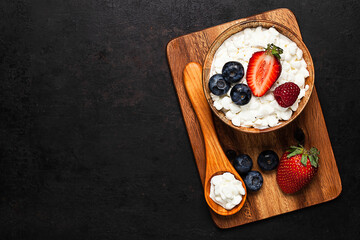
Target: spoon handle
<point>193,85</point>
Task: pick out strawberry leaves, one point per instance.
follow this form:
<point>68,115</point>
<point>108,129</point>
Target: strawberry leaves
<point>313,162</point>
<point>294,152</point>
<point>304,159</point>
<point>274,50</point>
<point>312,155</point>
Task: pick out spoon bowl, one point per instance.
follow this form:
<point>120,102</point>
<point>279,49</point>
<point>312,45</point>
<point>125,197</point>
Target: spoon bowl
<point>216,160</point>
<point>216,207</point>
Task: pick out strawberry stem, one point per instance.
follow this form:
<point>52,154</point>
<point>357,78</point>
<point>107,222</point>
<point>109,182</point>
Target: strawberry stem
<point>274,50</point>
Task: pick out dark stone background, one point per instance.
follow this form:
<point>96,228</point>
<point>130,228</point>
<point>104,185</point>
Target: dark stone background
<point>93,144</point>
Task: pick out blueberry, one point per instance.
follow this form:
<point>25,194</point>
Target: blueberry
<point>230,154</point>
<point>268,160</point>
<point>240,94</point>
<point>233,72</point>
<point>253,181</point>
<point>243,163</point>
<point>218,85</point>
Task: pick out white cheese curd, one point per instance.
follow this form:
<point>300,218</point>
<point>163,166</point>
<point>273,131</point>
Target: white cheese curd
<point>261,112</point>
<point>226,190</point>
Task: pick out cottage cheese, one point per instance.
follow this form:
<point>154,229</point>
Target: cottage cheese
<point>261,112</point>
<point>226,190</point>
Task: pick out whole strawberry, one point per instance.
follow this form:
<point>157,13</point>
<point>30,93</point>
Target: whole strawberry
<point>286,94</point>
<point>296,168</point>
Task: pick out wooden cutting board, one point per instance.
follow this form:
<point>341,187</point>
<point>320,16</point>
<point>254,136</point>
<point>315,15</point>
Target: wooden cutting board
<point>269,201</point>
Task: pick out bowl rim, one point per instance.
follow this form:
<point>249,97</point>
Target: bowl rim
<point>253,24</point>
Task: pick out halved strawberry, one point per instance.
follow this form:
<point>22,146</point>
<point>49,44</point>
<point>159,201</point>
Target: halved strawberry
<point>264,69</point>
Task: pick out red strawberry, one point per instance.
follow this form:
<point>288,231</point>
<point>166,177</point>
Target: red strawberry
<point>296,168</point>
<point>263,70</point>
<point>286,94</point>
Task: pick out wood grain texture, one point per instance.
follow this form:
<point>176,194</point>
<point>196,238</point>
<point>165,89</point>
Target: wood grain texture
<point>216,160</point>
<point>269,201</point>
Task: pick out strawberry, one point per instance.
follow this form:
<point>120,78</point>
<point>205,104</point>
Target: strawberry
<point>297,167</point>
<point>286,94</point>
<point>263,70</point>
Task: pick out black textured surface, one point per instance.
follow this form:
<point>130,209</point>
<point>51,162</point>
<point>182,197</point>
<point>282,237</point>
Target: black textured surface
<point>93,144</point>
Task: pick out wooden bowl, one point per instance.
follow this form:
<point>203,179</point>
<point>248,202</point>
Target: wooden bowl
<point>253,24</point>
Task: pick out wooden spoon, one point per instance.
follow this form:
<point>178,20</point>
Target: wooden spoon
<point>216,160</point>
